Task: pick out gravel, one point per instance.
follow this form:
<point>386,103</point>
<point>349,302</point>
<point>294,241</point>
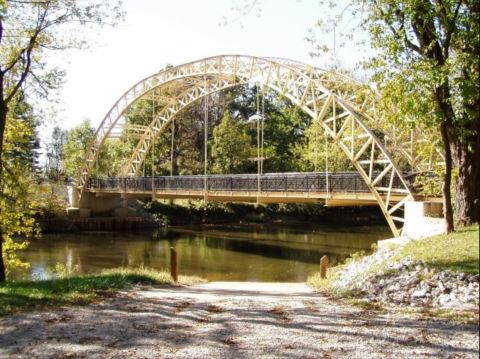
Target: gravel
<point>229,320</point>
<point>405,282</point>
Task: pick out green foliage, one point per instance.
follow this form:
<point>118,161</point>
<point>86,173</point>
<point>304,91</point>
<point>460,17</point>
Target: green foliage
<point>51,199</point>
<point>55,153</point>
<point>217,212</point>
<point>30,29</point>
<point>62,271</point>
<point>77,290</point>
<point>313,156</point>
<point>284,128</point>
<point>230,147</point>
<point>75,147</point>
<point>113,157</point>
<point>17,188</point>
<point>410,68</point>
<point>289,137</point>
<point>164,214</point>
<point>427,69</point>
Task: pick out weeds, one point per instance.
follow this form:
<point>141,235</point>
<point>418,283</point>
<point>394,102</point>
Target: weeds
<point>77,290</point>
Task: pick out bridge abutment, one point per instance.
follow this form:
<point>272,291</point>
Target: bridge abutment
<point>423,219</point>
<point>92,205</point>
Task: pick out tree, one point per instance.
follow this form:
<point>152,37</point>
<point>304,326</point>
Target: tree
<point>230,146</point>
<point>75,147</point>
<point>312,156</point>
<point>428,67</point>
<point>17,200</point>
<point>284,128</point>
<point>55,152</point>
<point>284,125</point>
<point>28,30</point>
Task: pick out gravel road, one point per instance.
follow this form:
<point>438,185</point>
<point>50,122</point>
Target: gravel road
<point>229,320</point>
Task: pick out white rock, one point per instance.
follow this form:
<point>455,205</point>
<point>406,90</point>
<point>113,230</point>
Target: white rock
<point>420,293</point>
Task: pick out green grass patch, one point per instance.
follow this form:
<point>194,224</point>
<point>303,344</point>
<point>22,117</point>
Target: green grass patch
<point>76,290</point>
<point>320,284</point>
<point>459,316</point>
<point>457,252</point>
<point>367,305</point>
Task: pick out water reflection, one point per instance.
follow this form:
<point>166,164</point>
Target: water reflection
<point>216,253</point>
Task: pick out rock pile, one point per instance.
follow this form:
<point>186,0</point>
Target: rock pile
<point>408,283</point>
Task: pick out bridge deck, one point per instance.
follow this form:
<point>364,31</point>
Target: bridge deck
<point>335,189</point>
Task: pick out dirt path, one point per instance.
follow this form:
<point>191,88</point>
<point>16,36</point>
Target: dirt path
<point>229,320</point>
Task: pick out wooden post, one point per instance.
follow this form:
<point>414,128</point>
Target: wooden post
<point>323,267</point>
<point>173,264</point>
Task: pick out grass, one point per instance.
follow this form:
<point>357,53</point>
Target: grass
<point>457,252</point>
<point>460,316</point>
<point>367,305</point>
<point>324,285</point>
<point>320,284</point>
<point>78,290</point>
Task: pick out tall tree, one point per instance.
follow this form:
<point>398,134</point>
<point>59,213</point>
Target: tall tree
<point>18,202</point>
<point>428,67</point>
<point>75,147</point>
<point>316,152</point>
<point>28,30</point>
<point>55,152</point>
<point>230,146</point>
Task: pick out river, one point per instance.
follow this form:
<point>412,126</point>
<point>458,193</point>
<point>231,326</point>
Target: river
<point>232,253</point>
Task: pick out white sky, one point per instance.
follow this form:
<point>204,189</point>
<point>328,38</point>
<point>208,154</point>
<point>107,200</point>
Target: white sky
<point>160,32</point>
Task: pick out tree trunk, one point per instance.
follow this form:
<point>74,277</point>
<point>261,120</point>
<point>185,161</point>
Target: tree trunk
<point>447,179</point>
<point>3,120</point>
<point>467,194</point>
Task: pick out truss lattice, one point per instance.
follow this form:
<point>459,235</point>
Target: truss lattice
<point>344,108</point>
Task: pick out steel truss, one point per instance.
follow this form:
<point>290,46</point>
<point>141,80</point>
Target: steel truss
<point>343,108</point>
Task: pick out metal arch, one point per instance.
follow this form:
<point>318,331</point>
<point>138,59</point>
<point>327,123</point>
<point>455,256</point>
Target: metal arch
<point>168,113</point>
<point>363,99</point>
<point>339,120</point>
<point>378,152</point>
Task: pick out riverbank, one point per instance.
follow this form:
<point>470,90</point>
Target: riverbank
<point>439,273</point>
<point>197,212</point>
<point>163,214</point>
<point>229,320</point>
<point>79,290</point>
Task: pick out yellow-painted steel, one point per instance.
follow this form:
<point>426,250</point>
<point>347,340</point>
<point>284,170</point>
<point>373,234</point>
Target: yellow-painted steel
<point>343,107</point>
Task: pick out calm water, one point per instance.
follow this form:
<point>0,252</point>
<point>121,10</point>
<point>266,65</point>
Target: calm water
<point>267,253</point>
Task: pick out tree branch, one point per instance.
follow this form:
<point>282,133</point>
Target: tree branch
<point>28,57</point>
<point>1,30</point>
<point>397,32</point>
<point>450,27</point>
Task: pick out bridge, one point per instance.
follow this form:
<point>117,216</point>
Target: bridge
<point>346,111</point>
<point>333,189</point>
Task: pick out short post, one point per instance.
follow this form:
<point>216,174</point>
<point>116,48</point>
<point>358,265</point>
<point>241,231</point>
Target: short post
<point>173,264</point>
<point>323,267</point>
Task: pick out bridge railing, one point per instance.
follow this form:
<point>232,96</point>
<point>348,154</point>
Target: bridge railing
<point>271,182</point>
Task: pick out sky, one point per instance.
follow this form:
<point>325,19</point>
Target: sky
<point>160,32</point>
